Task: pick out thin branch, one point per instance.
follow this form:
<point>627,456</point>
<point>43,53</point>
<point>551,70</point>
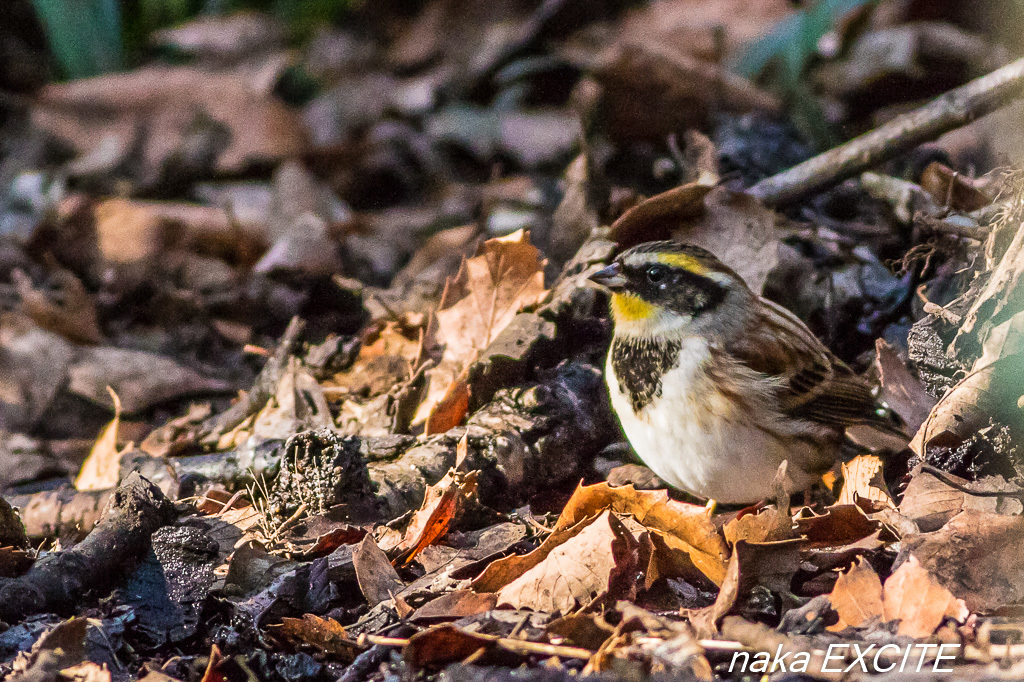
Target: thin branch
<point>952,110</point>
<point>262,390</point>
<point>959,487</point>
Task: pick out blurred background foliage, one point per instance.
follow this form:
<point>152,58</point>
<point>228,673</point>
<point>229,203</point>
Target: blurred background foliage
<point>90,37</point>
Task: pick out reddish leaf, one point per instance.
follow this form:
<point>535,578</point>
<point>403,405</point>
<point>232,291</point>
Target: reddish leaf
<point>441,507</point>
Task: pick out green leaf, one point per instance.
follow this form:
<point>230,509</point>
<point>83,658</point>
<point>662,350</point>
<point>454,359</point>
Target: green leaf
<point>794,40</point>
<point>785,54</point>
<point>84,35</point>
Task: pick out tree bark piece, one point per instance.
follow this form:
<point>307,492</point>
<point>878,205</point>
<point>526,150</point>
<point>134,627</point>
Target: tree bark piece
<point>952,110</point>
<point>60,581</point>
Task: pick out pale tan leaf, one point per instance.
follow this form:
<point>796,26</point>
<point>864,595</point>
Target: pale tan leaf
<point>857,596</point>
<point>684,528</point>
<point>862,479</point>
<point>576,572</point>
<point>915,598</point>
<point>478,303</point>
<point>101,468</point>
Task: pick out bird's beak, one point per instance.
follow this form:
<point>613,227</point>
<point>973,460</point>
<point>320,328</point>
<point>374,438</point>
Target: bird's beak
<point>610,277</point>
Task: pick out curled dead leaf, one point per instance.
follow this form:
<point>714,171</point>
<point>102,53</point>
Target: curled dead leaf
<point>863,480</point>
<point>478,303</point>
<point>731,225</point>
<point>442,505</point>
<point>325,634</point>
<point>683,527</point>
<point>599,560</point>
<point>101,469</point>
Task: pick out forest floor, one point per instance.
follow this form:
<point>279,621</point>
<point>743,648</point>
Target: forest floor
<point>301,378</point>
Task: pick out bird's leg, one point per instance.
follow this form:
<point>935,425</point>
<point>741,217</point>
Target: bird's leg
<point>808,501</point>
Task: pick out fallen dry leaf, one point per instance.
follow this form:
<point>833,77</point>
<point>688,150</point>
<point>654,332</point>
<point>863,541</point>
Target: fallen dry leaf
<point>452,408</point>
<point>33,369</point>
<point>683,527</point>
<point>387,358</point>
<point>765,526</point>
<point>101,469</point>
<point>140,379</point>
<point>487,292</point>
<point>326,634</point>
<point>953,190</point>
<point>455,605</point>
<point>599,560</point>
<point>87,671</point>
<point>504,571</point>
<point>652,90</point>
<point>703,28</point>
<point>656,217</point>
<point>298,405</point>
<point>931,502</point>
<point>991,390</point>
<point>168,102</point>
<point>705,621</point>
<point>915,598</point>
<point>863,480</point>
<point>442,505</point>
<point>134,230</point>
<point>377,578</point>
<point>976,557</point>
<point>127,231</point>
<point>839,525</point>
<point>901,390</point>
<point>230,521</point>
<point>731,225</point>
<point>911,595</point>
<point>443,644</point>
<point>72,314</point>
<point>225,38</point>
<point>1001,298</point>
<point>479,302</point>
<point>857,596</point>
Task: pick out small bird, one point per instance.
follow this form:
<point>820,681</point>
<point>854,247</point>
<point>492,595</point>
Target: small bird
<point>714,385</point>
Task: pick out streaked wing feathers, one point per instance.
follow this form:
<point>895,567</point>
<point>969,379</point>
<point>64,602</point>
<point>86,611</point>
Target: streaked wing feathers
<point>815,384</point>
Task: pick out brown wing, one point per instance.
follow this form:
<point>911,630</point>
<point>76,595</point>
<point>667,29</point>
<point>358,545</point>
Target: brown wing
<point>815,384</point>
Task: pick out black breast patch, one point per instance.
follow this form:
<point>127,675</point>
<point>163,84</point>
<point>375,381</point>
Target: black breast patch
<point>639,365</point>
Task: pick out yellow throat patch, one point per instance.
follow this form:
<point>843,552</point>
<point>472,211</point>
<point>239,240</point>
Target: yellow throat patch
<point>630,308</point>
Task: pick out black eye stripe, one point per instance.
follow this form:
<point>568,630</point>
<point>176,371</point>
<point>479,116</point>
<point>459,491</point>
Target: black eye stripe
<point>674,288</point>
<point>657,274</point>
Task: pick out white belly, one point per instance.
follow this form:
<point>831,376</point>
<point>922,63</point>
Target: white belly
<point>697,440</point>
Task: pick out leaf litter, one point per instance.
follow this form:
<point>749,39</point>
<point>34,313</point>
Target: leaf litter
<point>348,333</point>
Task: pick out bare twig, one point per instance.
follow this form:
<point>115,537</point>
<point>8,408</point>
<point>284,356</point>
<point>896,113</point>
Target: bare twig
<point>952,110</point>
<point>942,476</point>
<point>263,388</point>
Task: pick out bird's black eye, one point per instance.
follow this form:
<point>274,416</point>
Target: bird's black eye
<point>656,274</point>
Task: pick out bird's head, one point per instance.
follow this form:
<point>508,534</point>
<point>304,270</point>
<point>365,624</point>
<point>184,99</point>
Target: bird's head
<point>667,288</point>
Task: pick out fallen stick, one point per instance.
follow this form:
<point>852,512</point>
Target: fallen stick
<point>59,581</point>
<point>65,512</point>
<point>952,110</point>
